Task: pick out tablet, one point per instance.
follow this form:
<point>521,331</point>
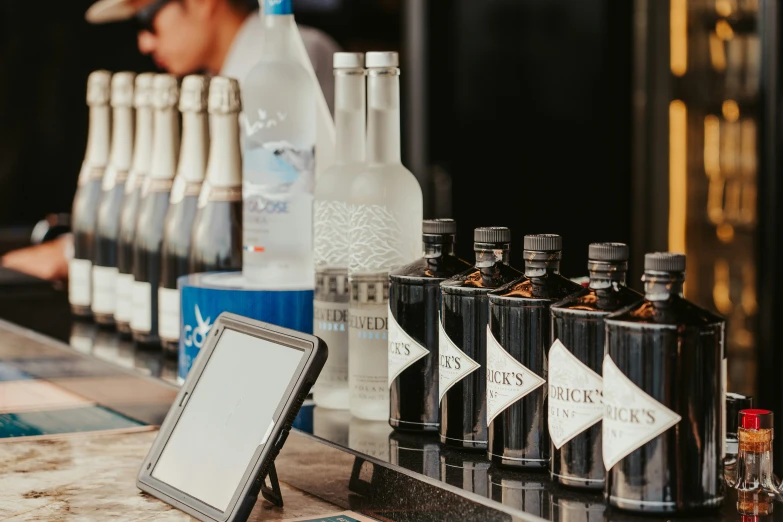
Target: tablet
<point>231,417</point>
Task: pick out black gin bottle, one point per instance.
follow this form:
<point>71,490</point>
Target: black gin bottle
<point>518,337</point>
<point>663,398</point>
<point>462,347</point>
<point>414,306</point>
<point>575,358</point>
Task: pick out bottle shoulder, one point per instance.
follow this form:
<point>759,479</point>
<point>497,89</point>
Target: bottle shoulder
<point>334,183</point>
<point>550,287</point>
<point>481,280</point>
<point>675,312</point>
<point>424,271</point>
<point>601,302</point>
<point>383,182</point>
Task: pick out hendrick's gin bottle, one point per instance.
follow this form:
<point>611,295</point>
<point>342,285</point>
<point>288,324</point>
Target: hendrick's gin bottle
<point>462,347</point>
<point>414,306</point>
<point>663,398</point>
<point>575,358</point>
<point>518,337</point>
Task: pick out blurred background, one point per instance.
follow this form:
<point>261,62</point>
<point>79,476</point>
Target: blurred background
<point>653,122</point>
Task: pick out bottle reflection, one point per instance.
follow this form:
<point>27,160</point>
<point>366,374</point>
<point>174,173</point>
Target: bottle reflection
<point>567,505</point>
<point>369,437</point>
<point>526,491</point>
<point>469,471</point>
<point>331,425</point>
<point>83,336</point>
<point>415,452</point>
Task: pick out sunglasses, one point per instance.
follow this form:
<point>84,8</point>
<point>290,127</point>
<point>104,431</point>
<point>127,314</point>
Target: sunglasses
<point>145,17</point>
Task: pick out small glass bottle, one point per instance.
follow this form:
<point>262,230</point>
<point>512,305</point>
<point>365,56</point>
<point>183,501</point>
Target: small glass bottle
<point>462,347</point>
<point>518,337</point>
<point>735,403</point>
<point>756,488</point>
<point>663,397</point>
<point>575,383</point>
<point>414,306</point>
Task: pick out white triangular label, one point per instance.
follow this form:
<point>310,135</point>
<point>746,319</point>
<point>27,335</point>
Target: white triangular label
<point>507,379</point>
<point>403,349</point>
<point>631,417</point>
<point>453,364</point>
<point>575,390</point>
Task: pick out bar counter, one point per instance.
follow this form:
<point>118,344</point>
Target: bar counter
<point>83,464</point>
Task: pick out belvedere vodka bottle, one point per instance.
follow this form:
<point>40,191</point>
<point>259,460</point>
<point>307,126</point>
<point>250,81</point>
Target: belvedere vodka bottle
<point>152,211</point>
<point>279,132</point>
<point>664,398</point>
<point>462,347</point>
<point>518,337</point>
<point>385,234</point>
<point>575,383</point>
<point>84,214</point>
<point>414,319</point>
<point>104,270</point>
<point>331,223</point>
<point>216,242</point>
<point>142,155</point>
<point>178,225</point>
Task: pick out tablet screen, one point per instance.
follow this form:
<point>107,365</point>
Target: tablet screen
<point>227,417</point>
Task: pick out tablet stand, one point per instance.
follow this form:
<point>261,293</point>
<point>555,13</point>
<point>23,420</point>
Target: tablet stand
<point>272,493</point>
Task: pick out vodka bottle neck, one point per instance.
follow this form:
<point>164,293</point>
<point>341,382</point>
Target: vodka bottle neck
<point>350,115</point>
<point>278,44</point>
<point>383,116</point>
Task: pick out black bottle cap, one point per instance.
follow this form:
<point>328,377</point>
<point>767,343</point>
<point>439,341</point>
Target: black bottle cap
<point>609,252</point>
<point>664,262</point>
<point>735,403</point>
<point>543,243</point>
<point>492,235</point>
<point>439,226</point>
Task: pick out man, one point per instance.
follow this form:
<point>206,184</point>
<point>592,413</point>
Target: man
<point>185,36</point>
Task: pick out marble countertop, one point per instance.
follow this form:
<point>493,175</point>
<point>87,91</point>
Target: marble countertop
<point>92,477</point>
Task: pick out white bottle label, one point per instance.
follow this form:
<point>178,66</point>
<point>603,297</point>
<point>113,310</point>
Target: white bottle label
<point>403,349</point>
<point>141,320</point>
<point>331,324</point>
<point>368,366</point>
<point>104,288</point>
<point>631,417</point>
<point>124,308</point>
<point>168,314</point>
<point>508,380</point>
<point>575,395</point>
<point>454,365</point>
<point>79,282</point>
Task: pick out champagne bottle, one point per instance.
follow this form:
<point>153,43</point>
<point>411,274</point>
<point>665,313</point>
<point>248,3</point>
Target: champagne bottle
<point>140,166</point>
<point>178,227</point>
<point>331,222</point>
<point>216,242</point>
<point>385,234</point>
<point>104,270</point>
<point>154,204</point>
<point>84,215</point>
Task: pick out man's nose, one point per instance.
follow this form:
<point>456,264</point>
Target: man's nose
<point>146,42</point>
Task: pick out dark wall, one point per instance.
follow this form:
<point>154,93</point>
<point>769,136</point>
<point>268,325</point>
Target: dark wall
<point>531,116</point>
<point>46,52</point>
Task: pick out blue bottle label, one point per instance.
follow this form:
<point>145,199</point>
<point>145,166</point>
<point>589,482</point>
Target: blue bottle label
<point>278,7</point>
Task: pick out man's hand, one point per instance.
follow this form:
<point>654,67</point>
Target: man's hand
<point>46,261</point>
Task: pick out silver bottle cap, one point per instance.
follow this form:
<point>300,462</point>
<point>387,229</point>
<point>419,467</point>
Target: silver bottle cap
<point>193,93</point>
<point>224,96</point>
<point>98,87</point>
<point>348,60</point>
<point>382,60</point>
<point>142,96</point>
<point>122,89</point>
<point>166,91</point>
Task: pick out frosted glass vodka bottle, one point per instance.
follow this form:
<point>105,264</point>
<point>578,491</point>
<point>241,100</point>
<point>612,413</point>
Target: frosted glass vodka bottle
<point>85,202</point>
<point>278,140</point>
<point>140,166</point>
<point>182,205</point>
<point>104,268</point>
<point>331,223</point>
<point>385,233</point>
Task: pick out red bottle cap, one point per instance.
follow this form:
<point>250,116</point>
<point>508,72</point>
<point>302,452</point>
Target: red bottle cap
<point>756,419</point>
